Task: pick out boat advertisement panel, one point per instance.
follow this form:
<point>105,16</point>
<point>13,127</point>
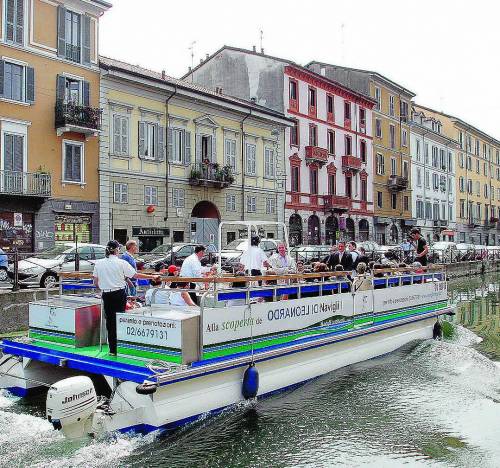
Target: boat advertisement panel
<point>56,319</point>
<point>409,296</point>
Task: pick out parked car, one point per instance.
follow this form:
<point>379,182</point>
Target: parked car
<point>175,254</point>
<point>231,254</point>
<point>42,270</point>
<point>443,252</point>
<point>4,263</point>
<point>310,253</point>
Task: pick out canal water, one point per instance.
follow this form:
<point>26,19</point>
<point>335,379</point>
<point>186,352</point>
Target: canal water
<point>431,404</point>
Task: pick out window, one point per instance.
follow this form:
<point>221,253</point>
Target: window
<point>270,205</point>
<point>18,82</point>
<point>405,169</point>
<point>178,197</point>
<point>380,164</point>
<point>403,111</point>
<point>485,191</point>
<point>329,107</point>
<point>435,181</point>
<point>417,149</point>
<point>207,148</point>
<point>364,190</point>
<point>394,169</point>
<point>435,211</point>
<point>478,188</point>
<point>461,160</point>
<point>443,212</point>
<point>348,185</point>
<point>380,200</point>
<point>332,184</point>
<point>392,132</point>
<point>478,144</point>
<point>428,210</point>
<point>230,153</point>
<point>378,98</point>
<point>331,141</point>
<point>295,180</point>
<point>420,209</point>
<point>450,212</point>
<point>419,177</point>
<point>150,195</point>
<point>462,209</point>
<point>14,21</point>
<point>426,153</point>
<point>13,160</point>
<point>461,139</point>
<point>230,202</point>
<point>391,106</point>
<point>294,134</point>
<point>450,161</point>
<point>469,143</point>
<point>394,201</point>
<point>485,169</point>
<point>478,166</point>
<point>347,110</point>
<point>362,119</point>
<point>73,162</point>
<point>313,180</point>
<point>435,156</point>
<point>312,101</point>
<point>269,166</point>
<point>442,159</point>
<point>73,36</point>
<point>461,184</point>
<point>406,203</point>
<point>378,128</point>
<point>427,180</point>
<point>469,187</point>
<point>120,135</point>
<point>348,145</point>
<point>148,139</point>
<point>293,90</point>
<point>251,204</point>
<point>313,135</point>
<point>179,145</point>
<point>362,150</point>
<point>120,193</point>
<point>469,163</point>
<point>251,158</point>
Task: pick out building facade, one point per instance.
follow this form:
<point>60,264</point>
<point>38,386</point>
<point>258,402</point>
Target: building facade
<point>328,163</point>
<point>391,147</point>
<point>176,159</point>
<point>477,180</point>
<point>433,178</point>
<point>49,122</point>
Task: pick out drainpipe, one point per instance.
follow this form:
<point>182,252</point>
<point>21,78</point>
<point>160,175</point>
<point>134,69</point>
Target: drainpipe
<point>166,151</point>
<point>243,164</point>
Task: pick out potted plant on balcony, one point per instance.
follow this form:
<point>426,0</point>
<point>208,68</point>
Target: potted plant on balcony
<point>228,175</point>
<point>195,176</point>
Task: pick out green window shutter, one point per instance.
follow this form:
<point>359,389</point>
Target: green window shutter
<point>86,93</point>
<point>86,40</point>
<point>142,139</point>
<point>2,63</point>
<point>187,147</point>
<point>61,31</point>
<point>160,150</point>
<point>30,85</point>
<point>170,145</point>
<point>60,88</point>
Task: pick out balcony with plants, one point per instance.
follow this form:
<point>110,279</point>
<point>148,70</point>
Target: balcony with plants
<point>72,117</point>
<point>208,174</point>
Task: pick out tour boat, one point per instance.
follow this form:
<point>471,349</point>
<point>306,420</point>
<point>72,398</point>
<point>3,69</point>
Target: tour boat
<point>178,364</point>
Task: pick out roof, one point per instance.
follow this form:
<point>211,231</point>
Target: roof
<point>102,3</point>
<point>359,70</point>
<point>113,64</point>
<point>285,61</point>
<point>461,122</point>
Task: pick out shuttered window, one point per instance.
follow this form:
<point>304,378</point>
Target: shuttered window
<point>179,146</point>
<point>120,192</point>
<point>230,153</point>
<point>151,141</point>
<point>230,202</point>
<point>120,135</point>
<point>17,82</point>
<point>14,21</point>
<point>250,159</point>
<point>270,205</point>
<point>73,36</point>
<point>13,152</point>
<point>269,166</point>
<point>73,162</point>
<point>150,195</point>
<point>251,204</point>
<point>178,198</point>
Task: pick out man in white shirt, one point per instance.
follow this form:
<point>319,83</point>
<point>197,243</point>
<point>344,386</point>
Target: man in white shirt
<point>191,268</point>
<point>281,262</point>
<point>254,258</point>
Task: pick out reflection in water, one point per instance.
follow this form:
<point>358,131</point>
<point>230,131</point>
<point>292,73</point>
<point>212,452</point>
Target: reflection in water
<point>429,404</point>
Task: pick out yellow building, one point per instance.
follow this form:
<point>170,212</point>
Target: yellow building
<point>49,121</point>
<point>477,180</point>
<point>391,147</point>
<point>177,158</point>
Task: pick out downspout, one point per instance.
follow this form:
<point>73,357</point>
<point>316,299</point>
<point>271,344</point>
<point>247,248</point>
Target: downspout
<point>242,128</point>
<point>166,151</point>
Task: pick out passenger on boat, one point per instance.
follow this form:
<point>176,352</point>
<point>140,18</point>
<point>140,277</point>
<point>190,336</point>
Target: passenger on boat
<point>179,294</point>
<point>192,268</point>
<point>353,250</point>
<point>254,258</point>
<point>157,294</point>
<point>421,247</point>
<point>281,262</point>
<point>109,276</point>
<point>341,257</point>
<point>362,282</point>
<point>363,258</point>
<point>377,274</point>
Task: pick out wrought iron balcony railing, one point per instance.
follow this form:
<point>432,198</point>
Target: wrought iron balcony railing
<point>211,174</point>
<point>29,184</point>
<point>76,117</point>
<point>336,203</point>
<point>397,183</point>
<point>73,53</point>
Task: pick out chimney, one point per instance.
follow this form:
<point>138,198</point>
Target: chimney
<point>201,60</point>
<point>254,48</point>
<point>262,50</point>
<point>163,74</point>
<point>189,69</point>
<point>206,56</point>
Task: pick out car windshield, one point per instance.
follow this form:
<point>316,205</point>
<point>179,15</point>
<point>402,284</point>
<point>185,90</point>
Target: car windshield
<point>162,248</point>
<point>237,244</point>
<point>54,251</point>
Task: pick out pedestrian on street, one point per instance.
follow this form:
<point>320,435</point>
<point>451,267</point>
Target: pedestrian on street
<point>192,268</point>
<point>421,247</point>
<point>110,276</point>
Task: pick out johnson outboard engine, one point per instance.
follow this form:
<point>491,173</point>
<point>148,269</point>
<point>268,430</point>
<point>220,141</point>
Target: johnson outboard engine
<point>71,404</point>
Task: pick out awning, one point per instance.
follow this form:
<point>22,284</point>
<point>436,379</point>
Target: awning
<point>448,232</point>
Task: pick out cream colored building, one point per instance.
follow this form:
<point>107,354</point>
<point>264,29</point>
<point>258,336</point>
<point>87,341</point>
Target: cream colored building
<point>176,159</point>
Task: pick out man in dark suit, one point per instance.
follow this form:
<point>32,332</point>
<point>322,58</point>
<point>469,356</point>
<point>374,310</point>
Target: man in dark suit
<point>341,257</point>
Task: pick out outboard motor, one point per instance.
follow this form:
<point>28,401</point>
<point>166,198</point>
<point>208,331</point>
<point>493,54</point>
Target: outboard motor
<point>71,404</point>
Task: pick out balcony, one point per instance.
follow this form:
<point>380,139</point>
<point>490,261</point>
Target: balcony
<point>336,203</point>
<point>351,163</point>
<point>211,175</point>
<point>397,183</point>
<point>25,184</point>
<point>80,119</point>
<point>316,154</point>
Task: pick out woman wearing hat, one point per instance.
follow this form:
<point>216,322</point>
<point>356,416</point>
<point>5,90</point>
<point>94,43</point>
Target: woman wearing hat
<point>110,276</point>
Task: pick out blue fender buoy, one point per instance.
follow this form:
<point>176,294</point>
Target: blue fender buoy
<point>250,385</point>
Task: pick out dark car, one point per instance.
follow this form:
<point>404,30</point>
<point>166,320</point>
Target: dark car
<point>175,255</point>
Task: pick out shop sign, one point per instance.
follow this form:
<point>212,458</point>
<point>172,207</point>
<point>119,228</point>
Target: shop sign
<point>73,219</point>
<point>150,231</point>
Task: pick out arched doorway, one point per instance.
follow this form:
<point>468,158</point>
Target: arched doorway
<point>295,230</point>
<point>394,234</point>
<point>349,229</point>
<point>313,232</point>
<point>331,228</point>
<point>204,223</point>
<point>364,230</point>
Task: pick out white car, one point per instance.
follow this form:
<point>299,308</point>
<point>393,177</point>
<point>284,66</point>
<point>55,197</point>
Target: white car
<point>42,270</point>
<point>232,252</point>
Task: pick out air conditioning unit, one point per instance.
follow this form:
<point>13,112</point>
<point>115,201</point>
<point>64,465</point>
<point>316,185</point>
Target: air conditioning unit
<point>179,212</point>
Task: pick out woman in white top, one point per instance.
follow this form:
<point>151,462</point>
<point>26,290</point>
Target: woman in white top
<point>179,295</point>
